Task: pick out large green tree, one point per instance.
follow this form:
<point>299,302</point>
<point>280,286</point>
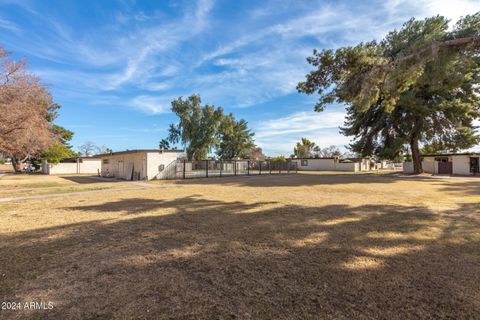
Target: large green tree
<point>164,144</point>
<point>236,140</point>
<point>198,126</point>
<point>418,86</point>
<point>62,148</point>
<point>304,148</point>
<point>56,153</point>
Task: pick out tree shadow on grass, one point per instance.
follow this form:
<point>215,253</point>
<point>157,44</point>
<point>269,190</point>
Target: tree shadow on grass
<point>464,187</point>
<point>85,179</point>
<point>467,187</point>
<point>199,258</point>
<point>288,180</point>
<point>187,204</point>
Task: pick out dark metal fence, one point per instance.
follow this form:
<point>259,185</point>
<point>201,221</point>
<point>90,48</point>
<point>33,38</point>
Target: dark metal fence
<point>182,169</point>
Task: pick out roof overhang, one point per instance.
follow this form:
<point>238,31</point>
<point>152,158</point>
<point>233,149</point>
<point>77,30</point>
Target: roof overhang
<point>137,151</point>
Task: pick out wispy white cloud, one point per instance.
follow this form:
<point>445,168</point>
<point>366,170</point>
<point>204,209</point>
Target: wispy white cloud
<point>301,122</point>
<point>427,8</point>
<point>158,86</point>
<point>143,130</point>
<point>131,55</point>
<point>284,145</point>
<point>24,4</point>
<point>9,25</point>
<point>244,84</point>
<point>269,62</point>
<point>140,16</point>
<point>256,65</point>
<point>151,104</point>
<point>280,135</point>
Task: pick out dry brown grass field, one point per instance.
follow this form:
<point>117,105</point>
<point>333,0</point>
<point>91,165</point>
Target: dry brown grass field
<point>23,185</point>
<point>300,246</point>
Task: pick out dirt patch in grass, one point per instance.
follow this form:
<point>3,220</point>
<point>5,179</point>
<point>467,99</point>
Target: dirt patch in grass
<point>300,246</point>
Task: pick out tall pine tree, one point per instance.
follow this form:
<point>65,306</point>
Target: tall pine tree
<point>419,85</point>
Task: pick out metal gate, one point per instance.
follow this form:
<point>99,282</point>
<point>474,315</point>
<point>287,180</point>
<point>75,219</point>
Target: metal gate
<point>182,169</point>
<point>445,168</point>
<point>475,165</point>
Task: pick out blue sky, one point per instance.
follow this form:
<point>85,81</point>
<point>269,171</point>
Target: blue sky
<point>115,66</point>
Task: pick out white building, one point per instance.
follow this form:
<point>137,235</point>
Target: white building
<point>77,165</point>
<point>137,164</point>
<point>463,164</point>
<point>326,164</point>
<point>364,164</point>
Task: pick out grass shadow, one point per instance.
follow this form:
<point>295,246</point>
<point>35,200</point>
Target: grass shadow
<point>84,179</point>
<point>299,179</point>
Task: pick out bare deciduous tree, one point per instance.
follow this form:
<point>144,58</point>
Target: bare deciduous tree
<point>256,153</point>
<point>104,149</point>
<point>25,106</point>
<point>89,149</point>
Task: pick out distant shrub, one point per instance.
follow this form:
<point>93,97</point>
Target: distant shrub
<point>279,159</point>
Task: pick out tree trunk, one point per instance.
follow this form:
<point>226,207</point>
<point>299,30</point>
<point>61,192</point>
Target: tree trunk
<point>16,164</point>
<point>417,161</point>
<point>437,46</point>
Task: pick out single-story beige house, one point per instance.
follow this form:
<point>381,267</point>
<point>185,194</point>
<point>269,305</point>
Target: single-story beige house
<point>77,165</point>
<point>326,164</point>
<point>339,164</point>
<point>463,164</point>
<point>147,164</point>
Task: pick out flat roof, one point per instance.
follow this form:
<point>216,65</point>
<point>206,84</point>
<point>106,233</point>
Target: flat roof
<point>357,159</point>
<point>451,154</point>
<point>138,151</point>
<point>326,158</point>
<point>329,158</point>
<point>74,159</point>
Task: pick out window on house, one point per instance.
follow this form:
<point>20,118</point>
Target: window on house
<point>304,163</point>
<point>105,161</point>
